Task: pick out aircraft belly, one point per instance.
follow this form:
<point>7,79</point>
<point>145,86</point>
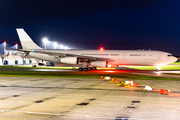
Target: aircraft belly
<point>135,61</point>
<point>148,61</point>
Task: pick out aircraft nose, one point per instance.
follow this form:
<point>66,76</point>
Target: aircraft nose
<point>174,59</point>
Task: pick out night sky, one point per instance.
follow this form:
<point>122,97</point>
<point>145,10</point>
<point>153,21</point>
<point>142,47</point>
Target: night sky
<point>90,24</point>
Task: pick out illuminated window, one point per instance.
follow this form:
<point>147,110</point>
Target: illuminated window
<point>96,54</point>
<point>114,54</point>
<point>147,55</point>
<point>135,55</point>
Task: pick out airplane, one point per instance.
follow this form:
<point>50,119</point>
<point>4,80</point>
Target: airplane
<point>91,59</point>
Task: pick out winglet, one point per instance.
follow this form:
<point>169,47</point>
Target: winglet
<point>26,42</point>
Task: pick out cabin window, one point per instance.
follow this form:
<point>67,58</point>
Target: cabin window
<point>135,55</point>
<point>97,54</point>
<point>148,55</point>
<point>114,54</point>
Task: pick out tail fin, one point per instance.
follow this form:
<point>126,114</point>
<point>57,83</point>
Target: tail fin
<point>26,42</point>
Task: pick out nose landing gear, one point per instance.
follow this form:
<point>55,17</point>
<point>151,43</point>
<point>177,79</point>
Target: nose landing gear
<point>158,67</point>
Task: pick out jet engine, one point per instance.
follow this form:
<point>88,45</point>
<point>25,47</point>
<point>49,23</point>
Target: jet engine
<point>102,64</point>
<point>69,60</point>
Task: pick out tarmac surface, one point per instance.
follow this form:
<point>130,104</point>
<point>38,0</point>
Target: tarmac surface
<point>31,98</point>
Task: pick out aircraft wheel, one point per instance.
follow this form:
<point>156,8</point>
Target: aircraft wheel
<point>85,69</point>
<point>157,70</point>
<point>80,69</point>
<point>90,68</point>
<point>94,68</point>
<point>33,65</point>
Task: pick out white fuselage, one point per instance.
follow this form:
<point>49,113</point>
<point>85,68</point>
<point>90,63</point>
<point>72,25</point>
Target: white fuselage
<point>95,57</point>
<point>120,57</point>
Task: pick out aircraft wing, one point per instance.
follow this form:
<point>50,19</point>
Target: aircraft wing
<point>20,50</point>
<point>82,57</point>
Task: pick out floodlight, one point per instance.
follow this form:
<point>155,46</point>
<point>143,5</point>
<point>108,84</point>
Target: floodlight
<point>61,46</point>
<point>65,47</point>
<point>55,44</point>
<point>45,40</point>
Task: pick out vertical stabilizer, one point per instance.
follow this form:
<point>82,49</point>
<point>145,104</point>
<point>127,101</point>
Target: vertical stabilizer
<point>26,42</point>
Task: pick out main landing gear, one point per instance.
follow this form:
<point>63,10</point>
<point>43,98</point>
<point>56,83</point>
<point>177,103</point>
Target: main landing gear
<point>87,68</point>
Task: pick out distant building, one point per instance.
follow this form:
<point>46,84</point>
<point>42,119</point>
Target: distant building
<point>11,57</point>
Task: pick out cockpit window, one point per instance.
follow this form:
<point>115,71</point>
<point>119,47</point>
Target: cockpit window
<point>169,55</point>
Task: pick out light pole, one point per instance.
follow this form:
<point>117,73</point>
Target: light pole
<point>45,41</point>
<point>55,44</point>
<point>61,46</point>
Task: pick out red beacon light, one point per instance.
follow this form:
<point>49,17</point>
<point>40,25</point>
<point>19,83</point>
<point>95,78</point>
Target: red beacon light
<point>101,49</point>
<point>16,45</point>
<point>4,44</point>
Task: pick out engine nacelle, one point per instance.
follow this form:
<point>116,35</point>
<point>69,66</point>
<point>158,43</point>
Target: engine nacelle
<point>69,60</point>
<point>102,64</point>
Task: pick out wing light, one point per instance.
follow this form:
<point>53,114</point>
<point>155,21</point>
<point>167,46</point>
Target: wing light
<point>109,66</point>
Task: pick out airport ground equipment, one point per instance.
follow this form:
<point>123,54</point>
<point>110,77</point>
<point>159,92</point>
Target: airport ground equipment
<point>148,88</point>
<point>132,84</point>
<point>121,83</point>
<point>107,78</point>
<point>114,80</point>
<point>164,91</point>
<point>127,84</point>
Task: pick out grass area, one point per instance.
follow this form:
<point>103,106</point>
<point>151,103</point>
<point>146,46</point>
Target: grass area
<point>172,66</point>
<point>30,67</point>
<point>17,71</point>
<point>59,74</point>
<point>154,68</point>
<point>175,63</point>
<point>133,67</point>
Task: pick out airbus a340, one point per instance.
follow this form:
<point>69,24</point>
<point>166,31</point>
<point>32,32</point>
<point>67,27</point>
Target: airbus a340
<point>90,59</point>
